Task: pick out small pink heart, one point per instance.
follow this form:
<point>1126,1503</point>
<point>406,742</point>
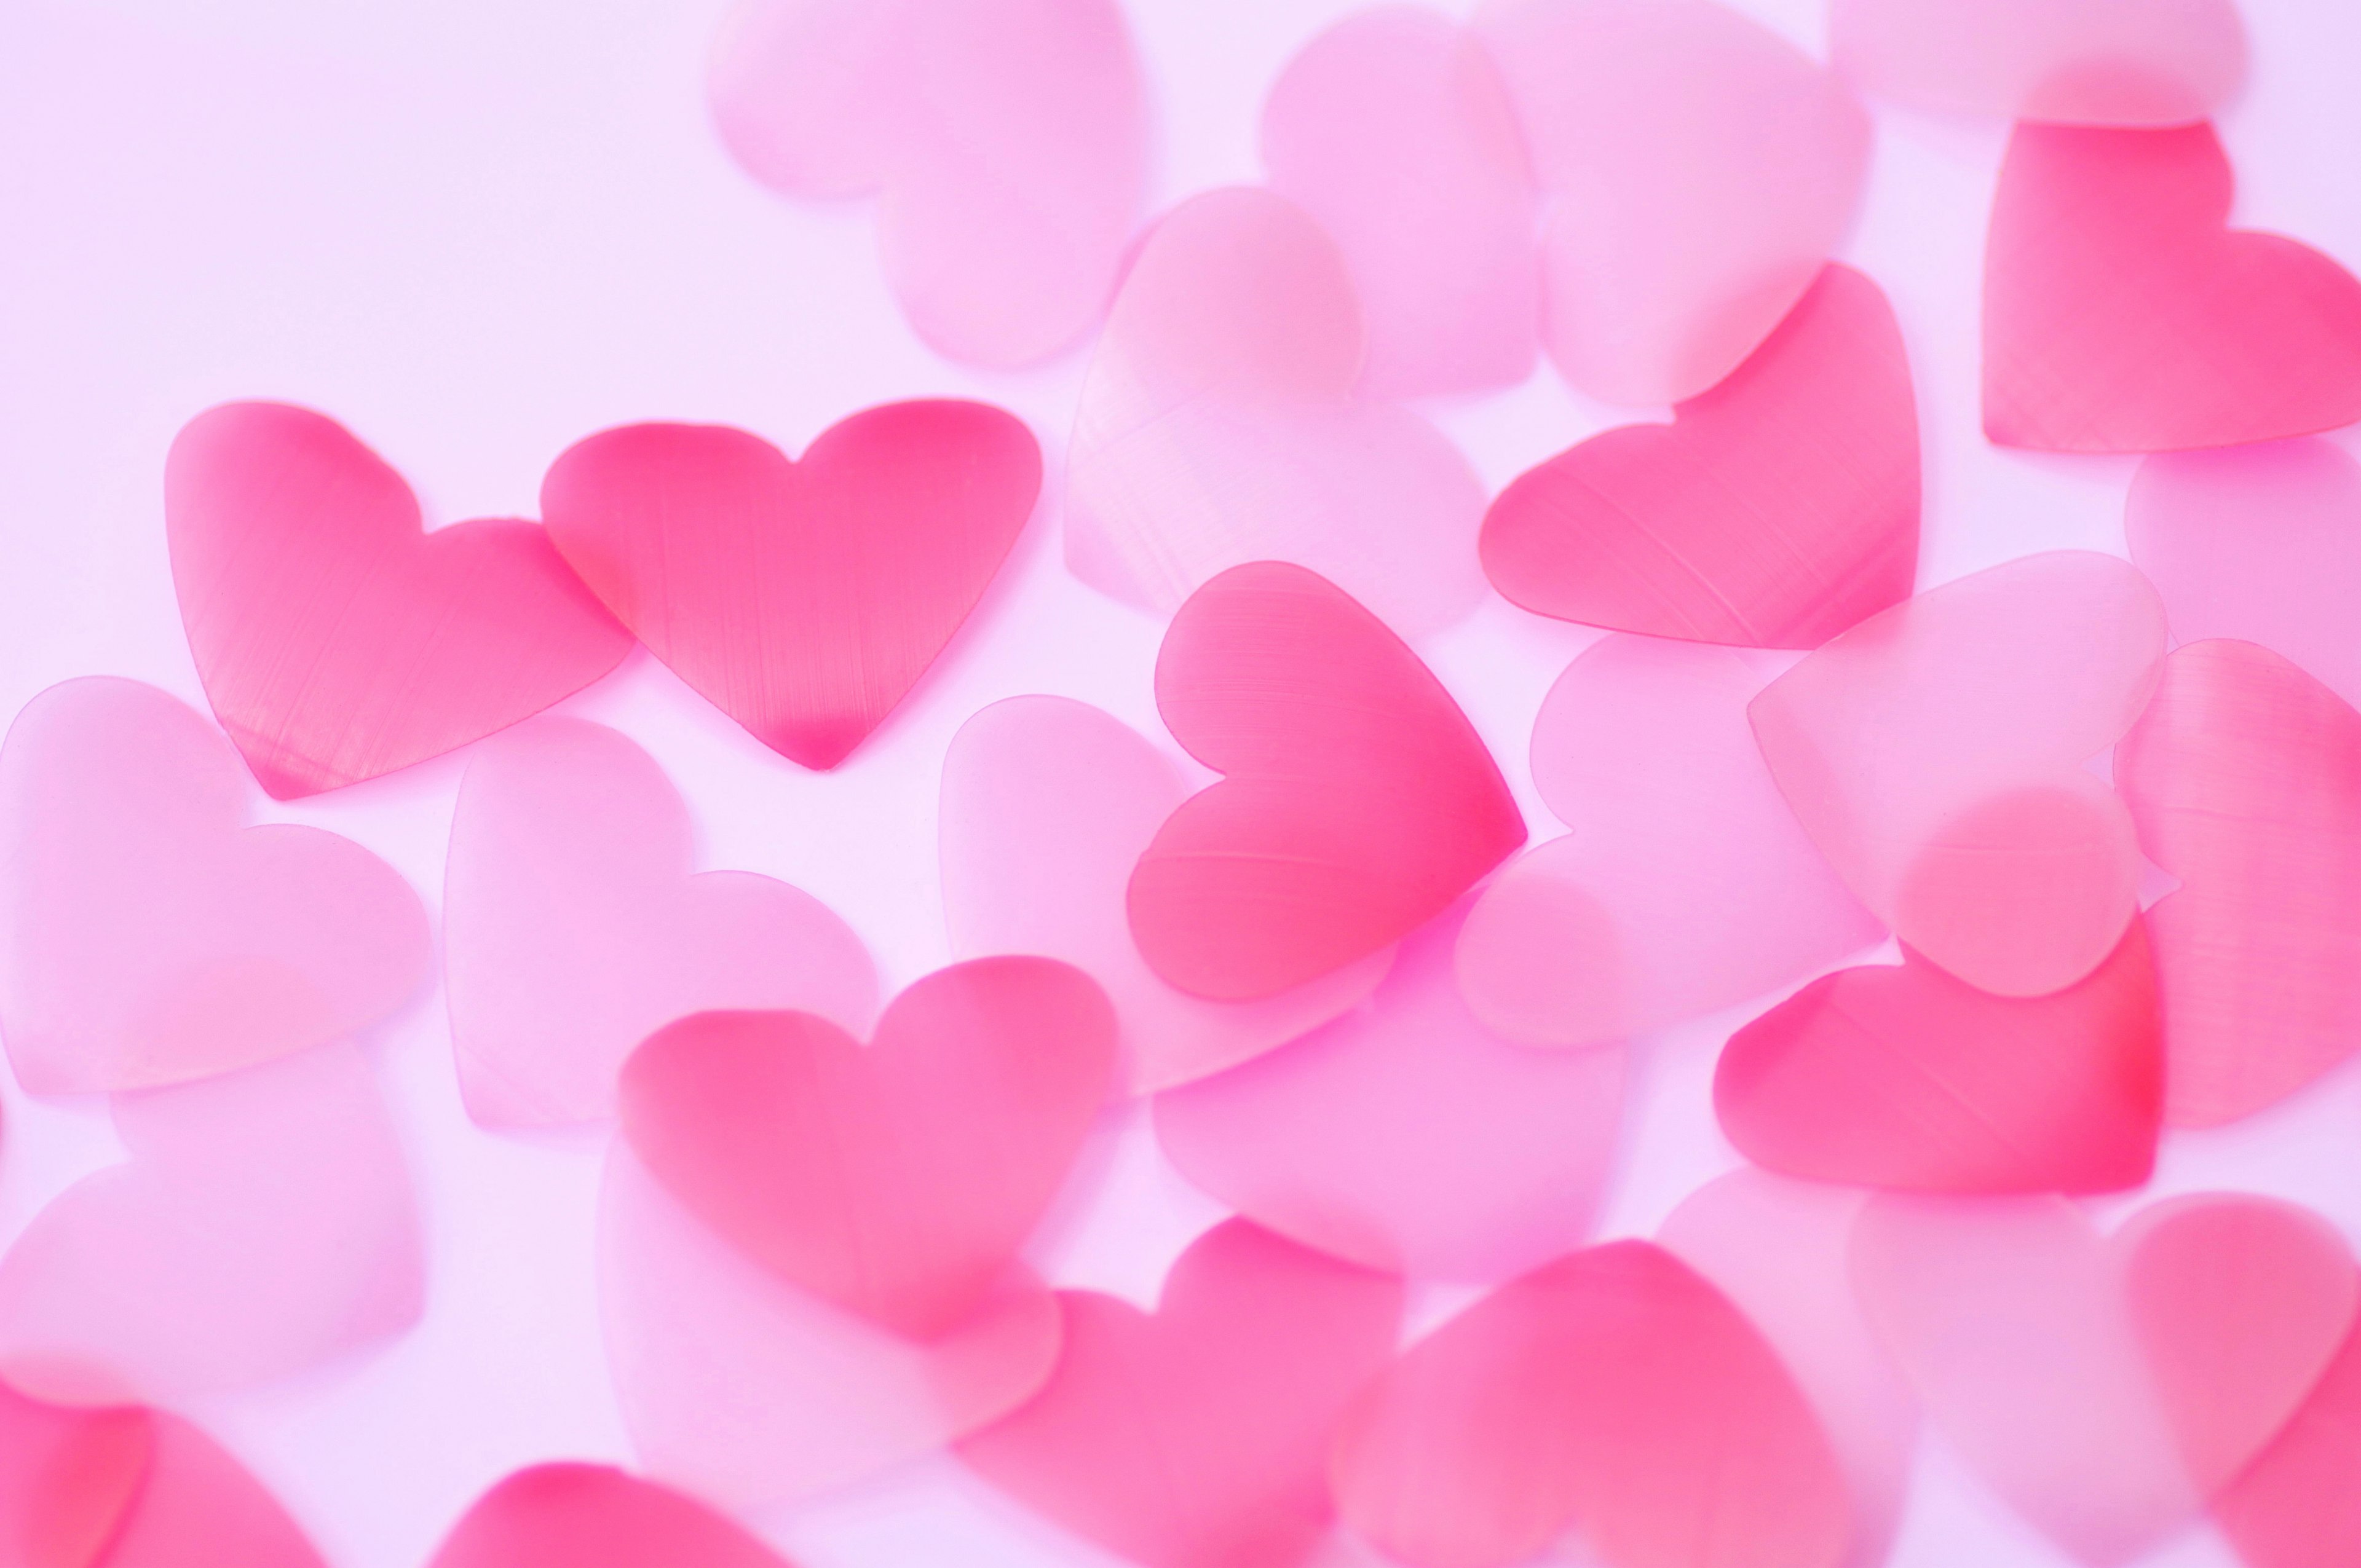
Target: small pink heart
<point>2299,1504</point>
<point>1196,1437</point>
<point>897,1180</point>
<point>573,928</point>
<point>594,1515</point>
<point>1047,805</point>
<point>1359,805</point>
<point>1778,508</point>
<point>2121,314</point>
<point>336,640</point>
<point>802,598</point>
<point>152,936</point>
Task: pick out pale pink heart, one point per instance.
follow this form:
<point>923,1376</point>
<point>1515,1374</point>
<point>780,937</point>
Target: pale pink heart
<point>593,1516</point>
<point>1698,171</point>
<point>1047,805</point>
<point>2299,1504</point>
<point>2099,62</point>
<point>1779,1250</point>
<point>738,1387</point>
<point>573,926</point>
<point>263,1224</point>
<point>2245,778</point>
<point>1394,131</point>
<point>1407,1137</point>
<point>1007,140</point>
<point>1935,754</point>
<point>1686,885</point>
<point>150,936</point>
<point>1218,425</point>
<point>2262,543</point>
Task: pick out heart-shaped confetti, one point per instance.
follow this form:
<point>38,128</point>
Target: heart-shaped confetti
<point>592,1516</point>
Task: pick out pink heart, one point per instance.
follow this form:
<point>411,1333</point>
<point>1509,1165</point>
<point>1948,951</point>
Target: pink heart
<point>2121,314</point>
<point>1698,170</point>
<point>1614,1388</point>
<point>152,936</point>
<point>1007,140</point>
<point>1393,130</point>
<point>1935,753</point>
<point>336,640</point>
<point>897,1180</point>
<point>2299,1504</point>
<point>573,928</point>
<point>1686,886</point>
<point>1904,1077</point>
<point>1217,426</point>
<point>1360,802</point>
<point>593,1516</point>
<point>2165,62</point>
<point>1777,510</point>
<point>263,1224</point>
<point>2244,777</point>
<point>1047,805</point>
<point>1196,1437</point>
<point>1407,1137</point>
<point>804,599</point>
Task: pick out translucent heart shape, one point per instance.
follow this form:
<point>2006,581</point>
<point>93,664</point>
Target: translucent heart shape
<point>593,1516</point>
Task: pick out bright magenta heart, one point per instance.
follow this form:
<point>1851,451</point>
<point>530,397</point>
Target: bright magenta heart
<point>897,1180</point>
<point>593,1516</point>
<point>1778,508</point>
<point>336,642</point>
<point>1359,802</point>
<point>802,599</point>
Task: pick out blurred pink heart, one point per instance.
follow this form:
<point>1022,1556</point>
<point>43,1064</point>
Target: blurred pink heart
<point>1217,426</point>
<point>1686,885</point>
<point>1778,508</point>
<point>2244,777</point>
<point>1359,805</point>
<point>2099,62</point>
<point>573,928</point>
<point>1007,140</point>
<point>593,1516</point>
<point>1394,131</point>
<point>152,938</point>
<point>802,599</point>
<point>1614,1389</point>
<point>2299,1504</point>
<point>1405,1136</point>
<point>2121,314</point>
<point>1935,754</point>
<point>336,640</point>
<point>263,1224</point>
<point>1698,171</point>
<point>1047,805</point>
<point>1197,1437</point>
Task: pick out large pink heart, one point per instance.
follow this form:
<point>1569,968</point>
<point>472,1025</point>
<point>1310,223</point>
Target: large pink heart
<point>1007,140</point>
<point>2244,777</point>
<point>1218,425</point>
<point>804,599</point>
<point>573,929</point>
<point>336,640</point>
<point>1777,510</point>
<point>2299,1504</point>
<point>1047,805</point>
<point>2121,316</point>
<point>593,1516</point>
<point>897,1180</point>
<point>1197,1438</point>
<point>152,936</point>
<point>1359,805</point>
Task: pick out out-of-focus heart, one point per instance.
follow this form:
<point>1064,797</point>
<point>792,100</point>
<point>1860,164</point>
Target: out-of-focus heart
<point>2298,1504</point>
<point>1198,1437</point>
<point>1778,508</point>
<point>1359,805</point>
<point>594,1515</point>
<point>335,639</point>
<point>573,929</point>
<point>897,1180</point>
<point>1217,427</point>
<point>802,599</point>
<point>2121,316</point>
<point>150,936</point>
<point>1007,140</point>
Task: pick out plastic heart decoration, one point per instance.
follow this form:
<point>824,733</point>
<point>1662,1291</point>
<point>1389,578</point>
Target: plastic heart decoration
<point>593,1516</point>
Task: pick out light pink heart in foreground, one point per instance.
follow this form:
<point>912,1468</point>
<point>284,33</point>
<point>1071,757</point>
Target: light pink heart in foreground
<point>150,937</point>
<point>1218,424</point>
<point>573,926</point>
